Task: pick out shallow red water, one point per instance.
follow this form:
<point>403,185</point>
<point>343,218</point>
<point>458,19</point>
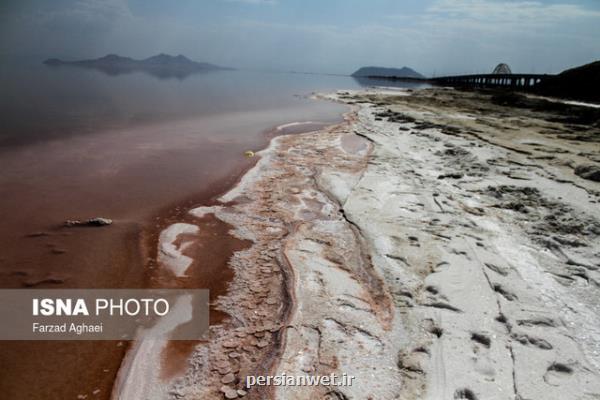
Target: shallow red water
<point>142,178</point>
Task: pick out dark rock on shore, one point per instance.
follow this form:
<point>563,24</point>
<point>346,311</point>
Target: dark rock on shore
<point>456,175</point>
<point>393,116</point>
<point>98,221</point>
<point>589,172</point>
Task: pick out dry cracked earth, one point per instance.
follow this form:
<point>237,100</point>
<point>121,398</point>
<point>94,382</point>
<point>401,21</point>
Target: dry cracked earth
<point>436,245</point>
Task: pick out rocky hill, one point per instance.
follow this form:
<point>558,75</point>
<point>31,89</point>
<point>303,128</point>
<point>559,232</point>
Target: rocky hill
<point>579,83</point>
<point>404,72</point>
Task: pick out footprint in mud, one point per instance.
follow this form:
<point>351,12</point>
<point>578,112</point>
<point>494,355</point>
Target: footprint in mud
<point>440,266</point>
<point>527,340</point>
<point>499,270</point>
<point>443,306</point>
<point>431,327</point>
<point>505,293</point>
<point>398,258</point>
<point>436,299</point>
<point>460,253</point>
<point>482,339</point>
<point>466,394</point>
<point>501,318</point>
<point>538,321</point>
<point>410,363</point>
<point>557,373</point>
<point>414,241</point>
<point>432,289</point>
<point>483,363</point>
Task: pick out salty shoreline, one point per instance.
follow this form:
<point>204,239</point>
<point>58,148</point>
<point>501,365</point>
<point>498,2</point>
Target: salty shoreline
<point>192,250</point>
<point>140,177</point>
<point>436,244</point>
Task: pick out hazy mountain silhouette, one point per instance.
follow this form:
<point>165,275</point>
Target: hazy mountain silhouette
<point>403,72</point>
<point>161,66</point>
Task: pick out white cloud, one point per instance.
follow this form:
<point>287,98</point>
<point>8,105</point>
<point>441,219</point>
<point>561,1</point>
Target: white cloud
<point>502,11</point>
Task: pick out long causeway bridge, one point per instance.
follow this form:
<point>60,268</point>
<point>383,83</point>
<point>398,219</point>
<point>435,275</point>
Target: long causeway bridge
<point>500,77</point>
<point>517,81</point>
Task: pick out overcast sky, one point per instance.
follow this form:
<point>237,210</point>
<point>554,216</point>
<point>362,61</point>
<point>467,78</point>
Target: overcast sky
<point>332,36</point>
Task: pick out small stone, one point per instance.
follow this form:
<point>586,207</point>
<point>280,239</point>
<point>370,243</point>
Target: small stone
<point>231,394</point>
<point>262,343</point>
<point>233,354</point>
<point>224,389</point>
<point>72,222</point>
<point>98,221</point>
<point>228,378</point>
<point>241,392</point>
<point>588,171</point>
<point>230,344</point>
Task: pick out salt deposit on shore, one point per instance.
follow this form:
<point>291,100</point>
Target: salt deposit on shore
<point>169,254</point>
<point>450,252</point>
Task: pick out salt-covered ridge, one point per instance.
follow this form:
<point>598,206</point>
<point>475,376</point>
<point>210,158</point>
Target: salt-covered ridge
<point>428,246</point>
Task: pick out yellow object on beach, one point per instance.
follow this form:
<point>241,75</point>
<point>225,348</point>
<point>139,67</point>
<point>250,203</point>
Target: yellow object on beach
<point>249,153</point>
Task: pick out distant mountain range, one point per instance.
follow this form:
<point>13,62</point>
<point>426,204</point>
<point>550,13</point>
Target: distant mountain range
<point>161,65</point>
<point>403,72</point>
